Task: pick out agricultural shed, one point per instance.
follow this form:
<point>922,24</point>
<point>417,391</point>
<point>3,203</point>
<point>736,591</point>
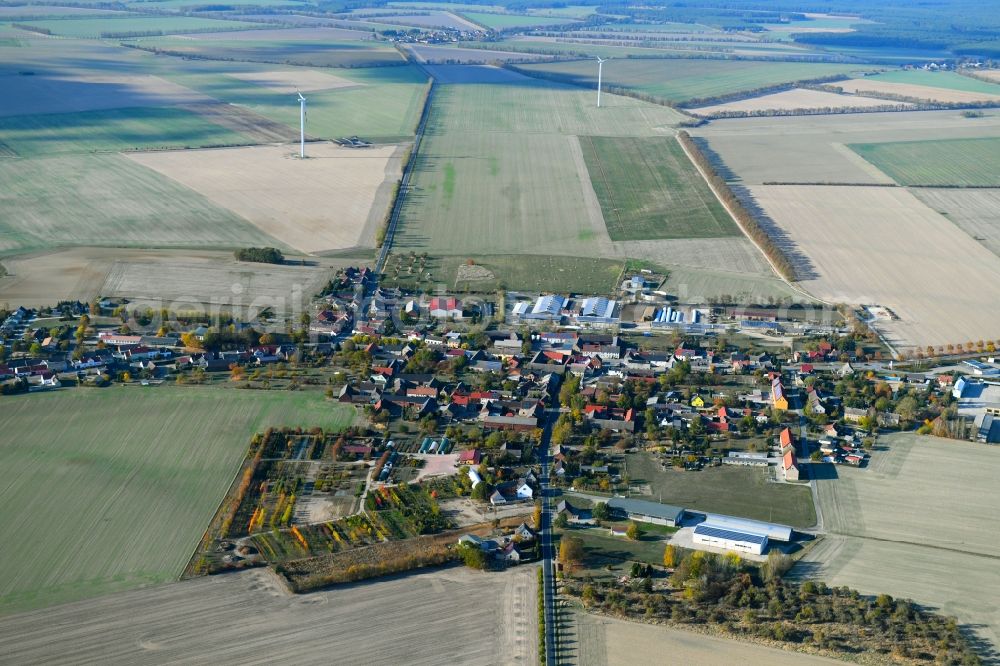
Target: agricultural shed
<point>707,534</point>
<point>646,512</point>
<point>773,531</point>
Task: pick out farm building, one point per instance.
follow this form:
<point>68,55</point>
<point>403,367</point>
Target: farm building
<point>707,534</point>
<point>445,307</point>
<point>773,531</point>
<point>598,310</point>
<point>646,512</point>
<point>745,459</point>
<point>575,516</point>
<point>546,308</point>
<point>518,423</point>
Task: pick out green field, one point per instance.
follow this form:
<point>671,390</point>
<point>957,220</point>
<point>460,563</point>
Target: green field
<point>686,80</point>
<point>510,21</point>
<point>113,130</point>
<point>960,162</point>
<point>947,80</point>
<point>333,53</point>
<point>385,106</point>
<point>110,489</point>
<point>94,28</point>
<point>734,491</point>
<point>108,200</point>
<point>648,188</point>
<point>184,4</point>
<point>503,162</point>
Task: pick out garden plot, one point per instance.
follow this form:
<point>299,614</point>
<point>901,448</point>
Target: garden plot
<point>879,87</point>
<point>798,99</point>
<point>973,211</point>
<point>294,80</point>
<point>922,512</point>
<point>880,245</point>
<point>332,200</point>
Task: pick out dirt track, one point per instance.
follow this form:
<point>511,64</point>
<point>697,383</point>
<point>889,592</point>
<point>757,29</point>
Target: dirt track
<point>443,617</point>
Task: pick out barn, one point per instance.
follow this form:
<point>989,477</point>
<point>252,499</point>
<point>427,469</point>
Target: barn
<point>706,534</point>
<point>646,512</point>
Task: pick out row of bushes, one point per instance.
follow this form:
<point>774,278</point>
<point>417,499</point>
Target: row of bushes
<point>260,255</point>
<point>743,217</point>
<point>31,28</point>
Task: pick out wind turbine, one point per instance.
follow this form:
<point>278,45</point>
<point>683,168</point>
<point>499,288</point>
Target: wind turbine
<point>302,124</point>
<point>600,67</point>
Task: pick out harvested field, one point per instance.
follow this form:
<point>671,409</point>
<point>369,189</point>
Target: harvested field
<point>51,11</point>
<point>446,616</point>
<point>215,280</point>
<point>879,87</point>
<point>92,28</point>
<point>649,189</point>
<point>124,500</point>
<point>431,20</point>
<point>811,149</point>
<point>283,34</point>
<point>383,105</point>
<point>509,21</point>
<point>290,199</point>
<point>160,276</point>
<point>426,53</point>
<point>972,211</point>
<point>798,99</point>
<point>292,80</point>
<point>317,53</point>
<point>683,80</point>
<point>106,200</point>
<point>48,92</point>
<point>960,162</point>
<point>942,79</point>
<point>879,245</point>
<point>115,130</point>
<point>908,523</point>
<point>613,642</point>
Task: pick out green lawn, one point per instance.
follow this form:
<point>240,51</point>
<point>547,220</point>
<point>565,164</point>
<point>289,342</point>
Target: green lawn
<point>735,491</point>
<point>968,162</point>
<point>113,130</point>
<point>648,189</point>
<point>109,200</point>
<point>601,549</point>
<point>508,21</point>
<point>111,489</point>
<point>687,80</point>
<point>94,28</point>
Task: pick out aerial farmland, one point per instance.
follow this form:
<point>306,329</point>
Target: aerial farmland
<point>499,332</point>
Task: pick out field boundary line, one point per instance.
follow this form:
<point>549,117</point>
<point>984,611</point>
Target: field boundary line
<point>732,215</point>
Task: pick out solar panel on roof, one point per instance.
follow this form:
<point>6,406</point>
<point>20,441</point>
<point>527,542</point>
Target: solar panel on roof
<point>719,533</point>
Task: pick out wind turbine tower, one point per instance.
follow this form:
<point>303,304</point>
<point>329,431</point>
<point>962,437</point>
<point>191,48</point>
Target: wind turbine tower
<point>600,67</point>
<point>302,125</point>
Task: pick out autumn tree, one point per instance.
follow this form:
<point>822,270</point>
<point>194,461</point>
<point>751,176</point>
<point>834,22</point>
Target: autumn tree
<point>571,552</point>
<point>670,556</point>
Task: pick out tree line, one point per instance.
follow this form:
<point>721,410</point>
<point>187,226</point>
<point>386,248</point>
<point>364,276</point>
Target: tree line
<point>782,263</point>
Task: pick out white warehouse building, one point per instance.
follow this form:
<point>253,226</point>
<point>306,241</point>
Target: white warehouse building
<point>740,535</point>
<point>706,534</point>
